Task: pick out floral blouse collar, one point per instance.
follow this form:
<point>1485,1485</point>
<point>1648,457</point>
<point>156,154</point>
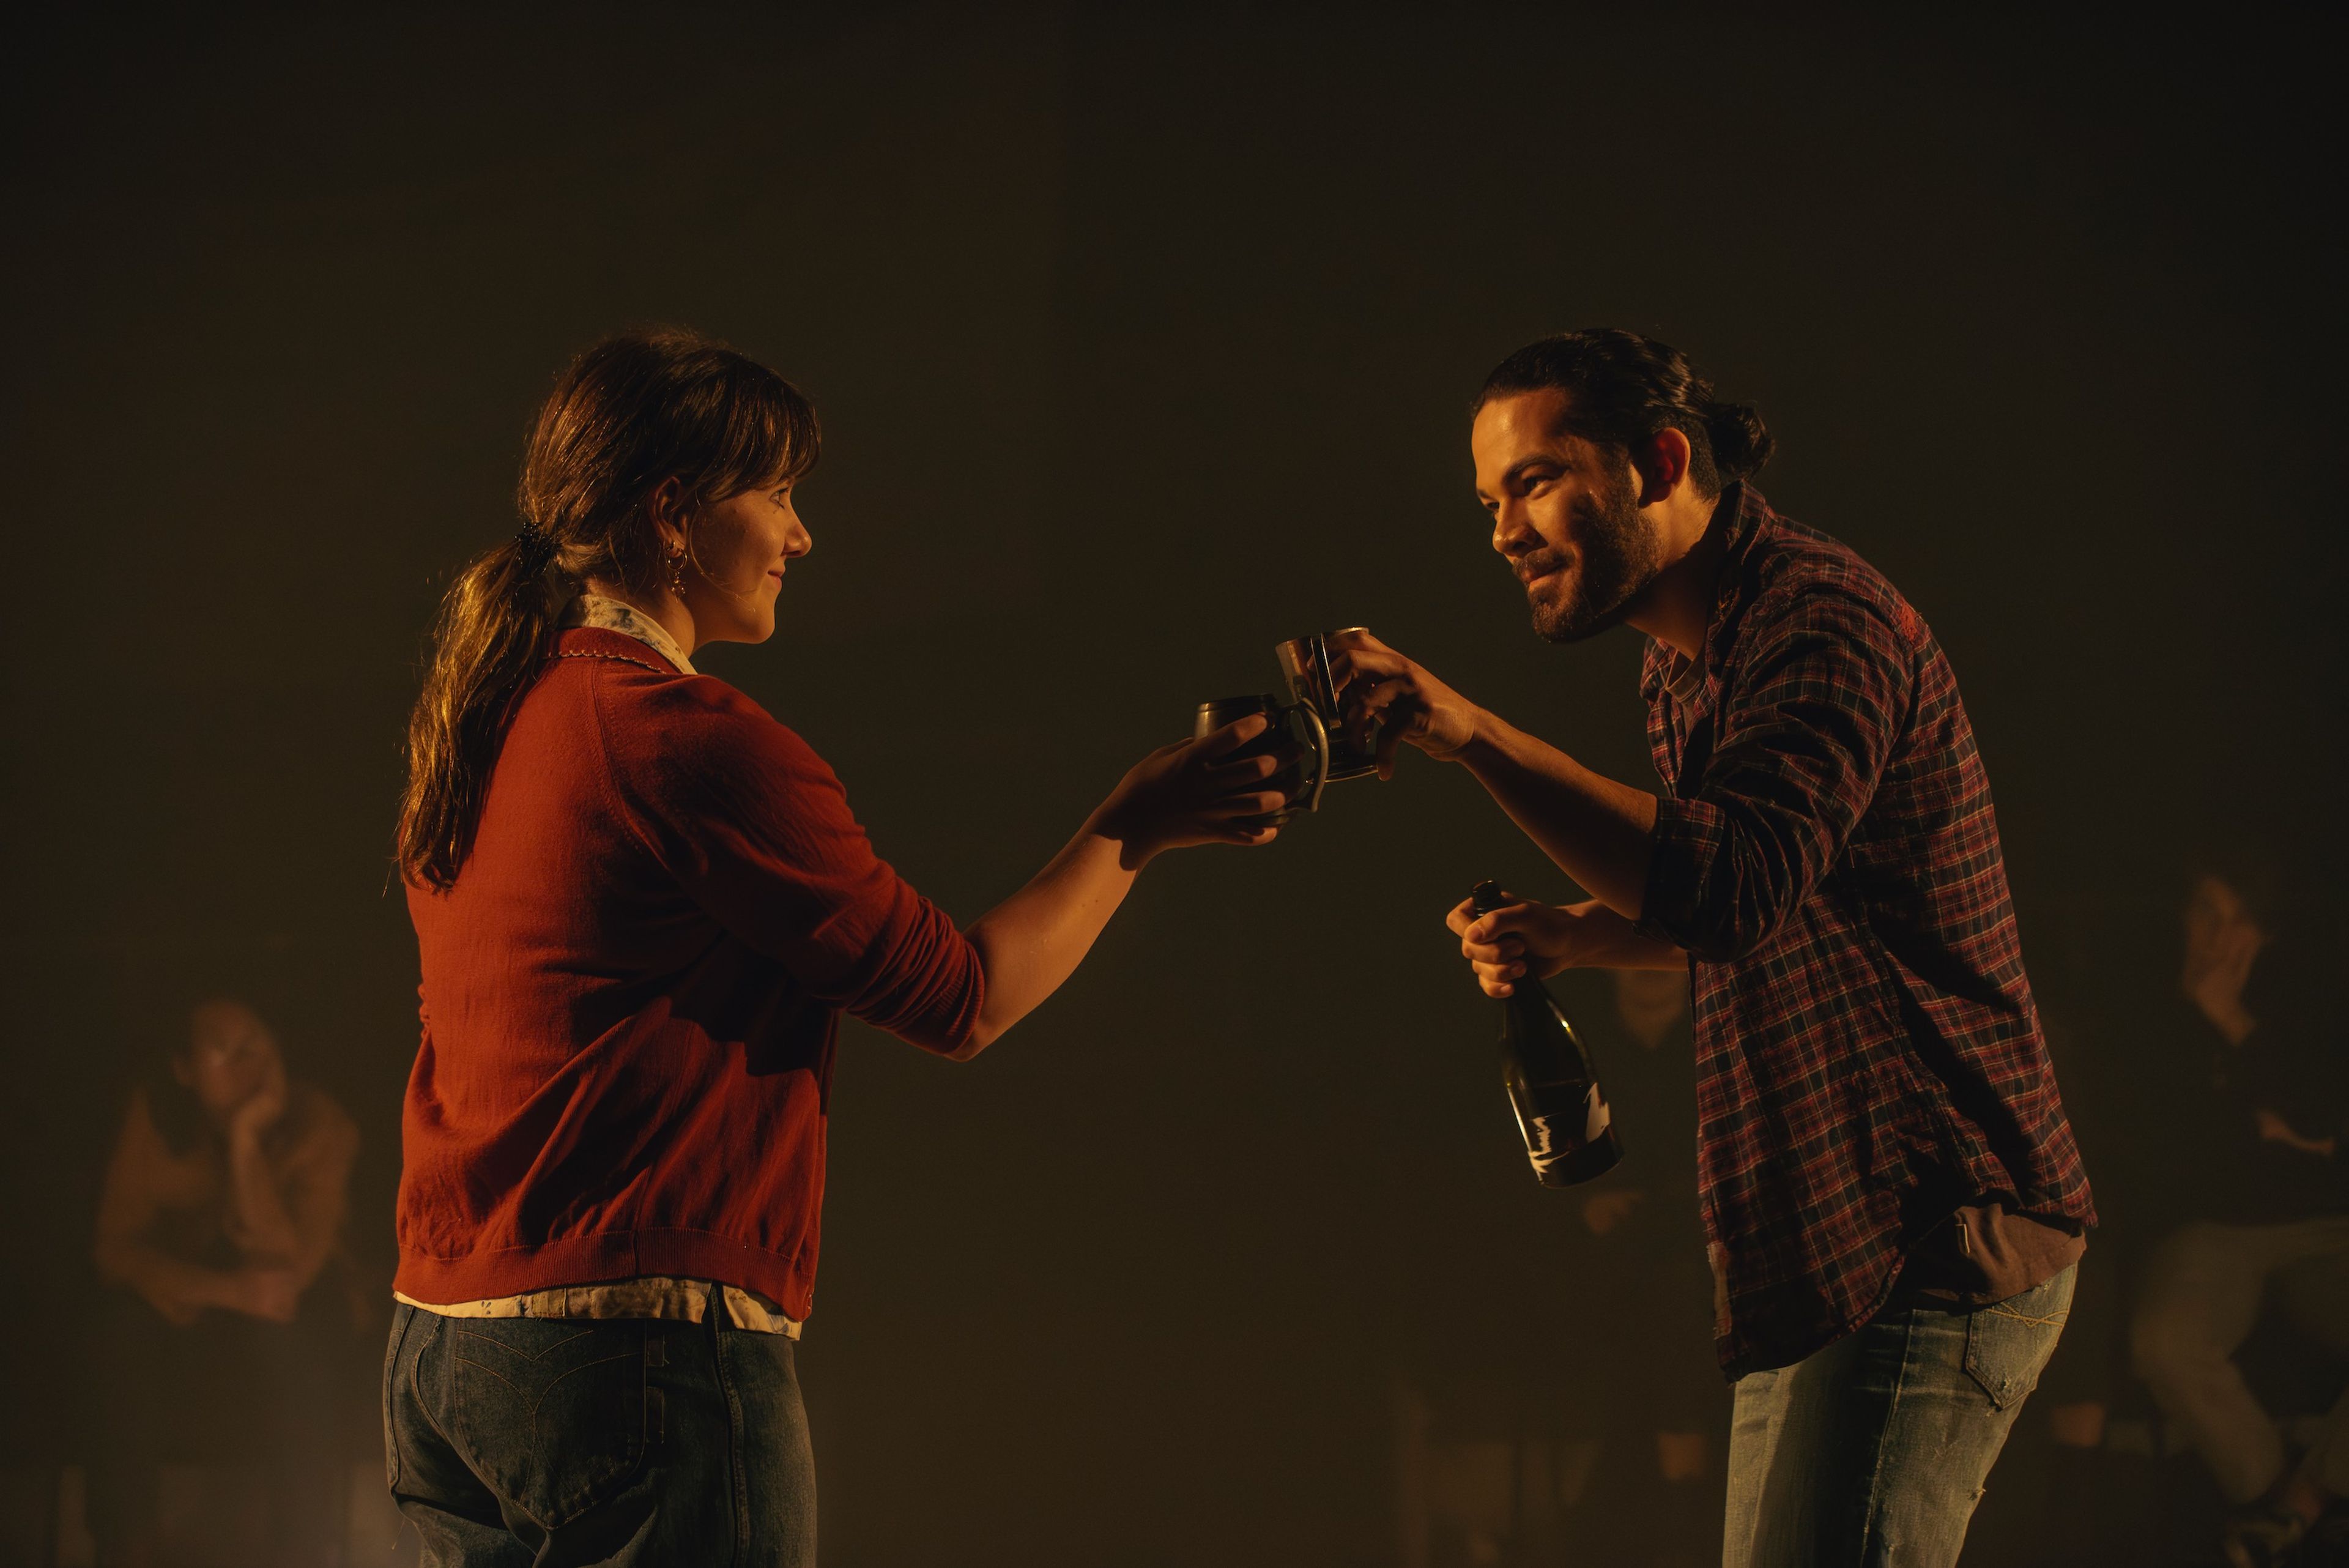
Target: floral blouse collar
<point>611,615</point>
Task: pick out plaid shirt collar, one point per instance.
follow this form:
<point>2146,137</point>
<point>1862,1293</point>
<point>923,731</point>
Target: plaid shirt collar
<point>1741,511</point>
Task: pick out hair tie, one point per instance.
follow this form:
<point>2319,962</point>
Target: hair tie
<point>537,546</point>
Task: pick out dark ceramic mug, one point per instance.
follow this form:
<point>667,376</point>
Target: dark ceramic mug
<point>1301,783</point>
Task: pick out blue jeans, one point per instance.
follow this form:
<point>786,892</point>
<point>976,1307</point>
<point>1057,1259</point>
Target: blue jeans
<point>628,1441</point>
<point>1872,1453</point>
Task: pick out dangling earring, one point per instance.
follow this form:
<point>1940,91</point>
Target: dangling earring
<point>676,573</point>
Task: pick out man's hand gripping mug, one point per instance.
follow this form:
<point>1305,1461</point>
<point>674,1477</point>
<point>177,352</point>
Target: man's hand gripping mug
<point>1305,665</point>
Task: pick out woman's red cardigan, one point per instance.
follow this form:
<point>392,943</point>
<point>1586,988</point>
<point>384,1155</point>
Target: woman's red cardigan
<point>631,993</point>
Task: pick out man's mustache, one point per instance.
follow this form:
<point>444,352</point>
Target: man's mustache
<point>1540,563</point>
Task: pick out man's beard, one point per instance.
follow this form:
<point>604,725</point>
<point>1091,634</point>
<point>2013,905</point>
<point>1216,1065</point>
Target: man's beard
<point>1617,560</point>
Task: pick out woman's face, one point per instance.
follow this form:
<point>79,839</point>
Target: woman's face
<point>740,546</point>
<point>231,1057</point>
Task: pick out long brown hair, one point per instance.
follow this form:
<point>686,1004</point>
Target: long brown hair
<point>629,414</point>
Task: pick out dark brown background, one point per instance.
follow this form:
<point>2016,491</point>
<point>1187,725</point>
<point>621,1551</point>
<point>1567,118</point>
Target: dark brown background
<point>1141,344</point>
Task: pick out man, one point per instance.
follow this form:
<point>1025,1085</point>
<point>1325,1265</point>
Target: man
<point>1893,1201</point>
<point>2244,1146</point>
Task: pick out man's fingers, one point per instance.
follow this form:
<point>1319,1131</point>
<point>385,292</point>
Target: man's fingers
<point>1466,923</point>
<point>1361,657</point>
<point>1390,736</point>
<point>1378,698</point>
<point>1508,950</point>
<point>1367,658</point>
<point>1493,943</point>
<point>1510,915</point>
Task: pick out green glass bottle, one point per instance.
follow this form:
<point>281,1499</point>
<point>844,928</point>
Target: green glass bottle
<point>1568,1132</point>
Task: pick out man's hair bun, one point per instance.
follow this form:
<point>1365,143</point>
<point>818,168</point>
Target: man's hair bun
<point>1625,387</point>
<point>1740,442</point>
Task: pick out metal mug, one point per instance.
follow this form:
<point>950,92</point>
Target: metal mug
<point>1301,785</point>
<point>1305,665</point>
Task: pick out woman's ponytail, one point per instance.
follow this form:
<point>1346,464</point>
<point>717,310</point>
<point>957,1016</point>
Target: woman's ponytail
<point>495,625</point>
<point>629,415</point>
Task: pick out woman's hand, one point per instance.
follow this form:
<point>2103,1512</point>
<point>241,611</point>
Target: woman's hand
<point>1195,792</point>
<point>1376,685</point>
<point>1521,938</point>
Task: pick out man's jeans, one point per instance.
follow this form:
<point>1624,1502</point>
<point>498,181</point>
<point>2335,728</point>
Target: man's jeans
<point>513,1441</point>
<point>2201,1292</point>
<point>1874,1451</point>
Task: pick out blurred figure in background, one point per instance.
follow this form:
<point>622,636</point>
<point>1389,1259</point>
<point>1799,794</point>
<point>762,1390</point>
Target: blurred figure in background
<point>2082,1497</point>
<point>222,1213</point>
<point>1660,1497</point>
<point>2245,1174</point>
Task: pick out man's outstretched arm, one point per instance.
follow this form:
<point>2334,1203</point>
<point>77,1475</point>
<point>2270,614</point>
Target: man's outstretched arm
<point>1597,831</point>
<point>1799,748</point>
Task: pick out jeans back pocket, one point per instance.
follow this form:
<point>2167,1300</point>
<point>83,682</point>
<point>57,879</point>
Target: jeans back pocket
<point>2008,1343</point>
<point>551,1412</point>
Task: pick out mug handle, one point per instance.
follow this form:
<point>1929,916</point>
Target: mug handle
<point>1320,751</point>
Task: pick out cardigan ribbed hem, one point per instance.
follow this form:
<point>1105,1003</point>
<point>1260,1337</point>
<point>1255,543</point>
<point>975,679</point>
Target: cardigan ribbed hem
<point>610,1255</point>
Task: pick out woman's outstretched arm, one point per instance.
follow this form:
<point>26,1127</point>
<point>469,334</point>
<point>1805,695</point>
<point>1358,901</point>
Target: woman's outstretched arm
<point>1193,792</point>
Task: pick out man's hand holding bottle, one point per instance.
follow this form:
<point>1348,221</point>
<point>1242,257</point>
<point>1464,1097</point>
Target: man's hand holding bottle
<point>1525,938</point>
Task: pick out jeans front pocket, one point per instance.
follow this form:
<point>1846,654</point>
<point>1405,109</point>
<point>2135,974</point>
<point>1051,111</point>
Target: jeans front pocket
<point>2008,1343</point>
<point>550,1411</point>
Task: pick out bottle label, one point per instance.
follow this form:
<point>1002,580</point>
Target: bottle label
<point>1547,1141</point>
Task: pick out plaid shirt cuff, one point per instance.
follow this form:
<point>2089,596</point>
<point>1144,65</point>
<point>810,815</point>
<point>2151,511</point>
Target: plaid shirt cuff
<point>1690,838</point>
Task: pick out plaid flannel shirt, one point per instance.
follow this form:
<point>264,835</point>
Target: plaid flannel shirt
<point>1869,1055</point>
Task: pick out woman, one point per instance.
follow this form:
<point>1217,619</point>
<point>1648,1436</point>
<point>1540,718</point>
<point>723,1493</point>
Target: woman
<point>641,905</point>
<point>220,1221</point>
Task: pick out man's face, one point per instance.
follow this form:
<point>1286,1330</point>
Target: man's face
<point>1565,515</point>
